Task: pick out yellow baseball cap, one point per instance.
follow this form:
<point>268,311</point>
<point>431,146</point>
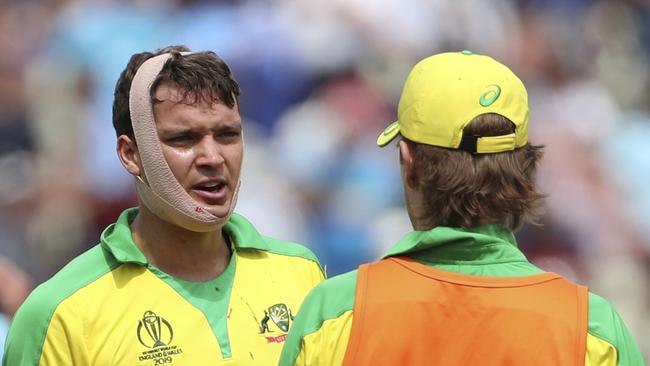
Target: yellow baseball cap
<point>445,92</point>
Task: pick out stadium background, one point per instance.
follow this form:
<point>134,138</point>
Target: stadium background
<point>320,78</point>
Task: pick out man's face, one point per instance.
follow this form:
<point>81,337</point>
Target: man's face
<point>203,146</point>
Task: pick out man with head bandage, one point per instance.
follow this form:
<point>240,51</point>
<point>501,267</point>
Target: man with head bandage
<point>181,279</point>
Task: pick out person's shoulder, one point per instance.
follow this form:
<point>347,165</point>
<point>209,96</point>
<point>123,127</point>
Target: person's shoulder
<point>323,321</point>
<point>331,298</point>
<point>81,271</point>
<point>290,249</point>
<point>294,258</point>
<point>247,237</point>
<point>34,317</point>
<point>340,285</point>
<point>607,326</point>
<point>603,318</point>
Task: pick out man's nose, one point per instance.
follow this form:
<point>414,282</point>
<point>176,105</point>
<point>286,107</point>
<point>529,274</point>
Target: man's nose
<point>209,153</point>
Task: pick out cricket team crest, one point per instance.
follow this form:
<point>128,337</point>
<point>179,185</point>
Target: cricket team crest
<point>281,316</point>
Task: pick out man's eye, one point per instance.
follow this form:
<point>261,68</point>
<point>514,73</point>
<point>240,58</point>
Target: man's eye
<point>230,134</point>
<point>180,138</point>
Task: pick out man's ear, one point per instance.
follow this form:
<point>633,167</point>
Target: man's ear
<point>128,153</point>
<point>409,172</point>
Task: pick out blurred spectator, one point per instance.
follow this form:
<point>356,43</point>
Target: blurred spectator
<point>15,285</point>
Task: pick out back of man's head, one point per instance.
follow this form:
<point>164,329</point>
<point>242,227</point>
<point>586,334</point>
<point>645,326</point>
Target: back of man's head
<point>464,118</point>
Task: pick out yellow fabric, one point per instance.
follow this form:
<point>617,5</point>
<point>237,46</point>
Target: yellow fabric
<point>327,346</point>
<point>600,352</point>
<point>390,132</point>
<point>92,312</point>
<point>256,288</point>
<point>444,92</point>
<point>494,144</point>
<point>101,323</point>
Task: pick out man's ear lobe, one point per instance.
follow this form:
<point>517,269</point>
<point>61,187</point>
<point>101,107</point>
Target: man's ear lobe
<point>127,151</point>
<point>406,151</point>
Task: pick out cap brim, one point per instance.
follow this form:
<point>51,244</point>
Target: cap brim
<point>390,132</point>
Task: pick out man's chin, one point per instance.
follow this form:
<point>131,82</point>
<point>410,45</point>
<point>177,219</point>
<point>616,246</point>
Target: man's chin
<point>218,211</point>
<point>217,207</point>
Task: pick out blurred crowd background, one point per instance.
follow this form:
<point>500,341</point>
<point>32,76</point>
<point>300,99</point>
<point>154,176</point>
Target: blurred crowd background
<point>320,79</point>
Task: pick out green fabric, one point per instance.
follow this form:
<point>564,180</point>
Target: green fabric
<point>443,235</point>
<point>329,300</point>
<point>606,324</point>
<point>487,250</point>
<point>246,236</point>
<point>27,333</point>
<point>117,239</point>
<point>211,297</point>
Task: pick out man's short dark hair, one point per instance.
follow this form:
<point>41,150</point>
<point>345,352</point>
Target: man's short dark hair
<point>465,190</point>
<point>201,76</point>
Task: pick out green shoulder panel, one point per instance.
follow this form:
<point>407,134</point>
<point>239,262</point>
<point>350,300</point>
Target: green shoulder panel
<point>290,249</point>
<point>247,237</point>
<point>606,324</point>
<point>329,300</point>
<point>29,327</point>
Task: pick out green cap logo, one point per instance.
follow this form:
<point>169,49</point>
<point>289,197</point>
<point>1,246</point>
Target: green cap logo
<point>390,128</point>
<point>490,95</point>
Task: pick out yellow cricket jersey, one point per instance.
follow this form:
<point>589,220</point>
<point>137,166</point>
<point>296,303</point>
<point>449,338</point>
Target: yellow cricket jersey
<point>109,306</point>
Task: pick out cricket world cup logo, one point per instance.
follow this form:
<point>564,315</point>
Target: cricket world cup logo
<point>154,331</point>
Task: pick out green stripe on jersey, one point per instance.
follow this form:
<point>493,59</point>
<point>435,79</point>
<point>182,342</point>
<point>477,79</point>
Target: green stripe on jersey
<point>339,292</point>
<point>245,236</point>
<point>291,250</point>
<point>77,274</point>
<point>605,323</point>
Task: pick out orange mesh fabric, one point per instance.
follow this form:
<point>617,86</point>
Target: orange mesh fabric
<point>407,313</point>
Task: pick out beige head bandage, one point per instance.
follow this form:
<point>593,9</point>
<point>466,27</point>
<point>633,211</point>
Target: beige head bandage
<point>162,193</point>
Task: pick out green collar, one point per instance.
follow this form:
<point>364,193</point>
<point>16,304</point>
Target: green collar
<point>117,238</point>
<point>485,244</point>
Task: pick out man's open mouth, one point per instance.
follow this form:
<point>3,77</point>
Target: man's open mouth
<point>210,187</point>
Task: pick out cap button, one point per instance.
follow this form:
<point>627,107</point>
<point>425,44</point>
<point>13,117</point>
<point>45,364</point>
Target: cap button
<point>466,52</point>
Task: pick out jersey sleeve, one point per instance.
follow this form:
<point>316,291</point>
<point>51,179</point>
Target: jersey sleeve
<point>46,337</point>
<point>320,332</point>
<point>609,341</point>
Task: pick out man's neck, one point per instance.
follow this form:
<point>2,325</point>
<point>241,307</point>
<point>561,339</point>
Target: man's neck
<point>417,211</point>
<point>181,253</point>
